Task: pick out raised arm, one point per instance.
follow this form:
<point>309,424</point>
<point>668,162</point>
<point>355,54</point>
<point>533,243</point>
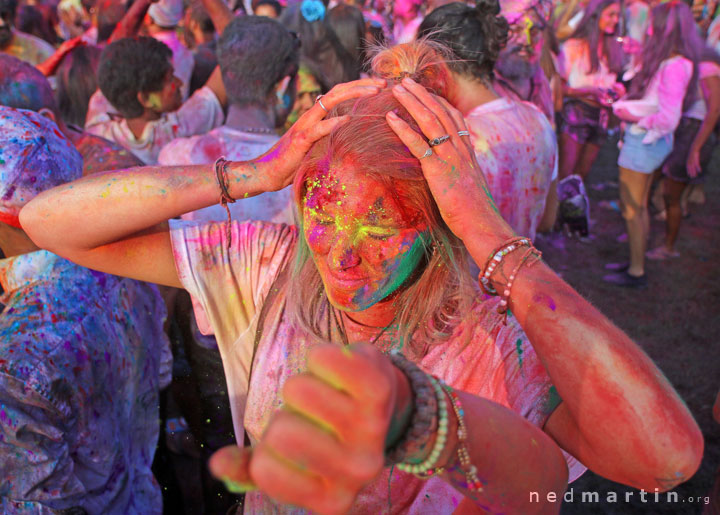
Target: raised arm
<point>619,415</point>
<point>219,13</point>
<point>130,23</point>
<point>115,222</point>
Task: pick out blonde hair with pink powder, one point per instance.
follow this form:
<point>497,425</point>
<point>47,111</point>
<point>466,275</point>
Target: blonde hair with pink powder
<point>431,306</point>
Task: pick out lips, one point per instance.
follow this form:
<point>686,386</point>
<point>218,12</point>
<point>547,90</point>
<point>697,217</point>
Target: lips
<point>347,281</point>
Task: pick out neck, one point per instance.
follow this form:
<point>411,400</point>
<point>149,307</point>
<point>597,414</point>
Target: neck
<point>466,93</point>
<point>137,125</point>
<point>522,86</point>
<point>249,117</point>
<point>373,319</point>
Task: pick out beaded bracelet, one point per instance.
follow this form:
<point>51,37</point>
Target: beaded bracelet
<point>473,482</point>
<point>440,436</point>
<point>503,307</point>
<point>423,419</point>
<point>496,257</point>
<point>225,198</point>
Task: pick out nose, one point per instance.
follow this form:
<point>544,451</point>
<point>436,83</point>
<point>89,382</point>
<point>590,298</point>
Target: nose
<point>343,255</point>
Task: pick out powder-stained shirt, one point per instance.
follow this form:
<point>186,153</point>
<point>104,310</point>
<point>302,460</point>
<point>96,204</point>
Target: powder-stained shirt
<point>498,363</point>
<point>82,358</point>
<point>517,151</point>
<point>100,154</point>
<point>235,145</point>
<point>28,48</point>
<point>199,114</point>
<point>575,67</point>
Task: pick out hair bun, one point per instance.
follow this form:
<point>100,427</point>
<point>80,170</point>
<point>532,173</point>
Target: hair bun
<point>423,61</point>
<point>485,7</point>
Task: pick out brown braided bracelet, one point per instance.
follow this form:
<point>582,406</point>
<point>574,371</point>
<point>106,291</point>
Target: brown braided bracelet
<point>225,198</point>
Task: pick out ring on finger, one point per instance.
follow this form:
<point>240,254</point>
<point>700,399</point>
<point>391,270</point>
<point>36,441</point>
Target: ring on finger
<point>318,101</point>
<point>427,153</point>
<point>439,140</point>
<point>463,133</point>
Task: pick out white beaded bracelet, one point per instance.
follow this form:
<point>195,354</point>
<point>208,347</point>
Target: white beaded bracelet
<point>440,438</point>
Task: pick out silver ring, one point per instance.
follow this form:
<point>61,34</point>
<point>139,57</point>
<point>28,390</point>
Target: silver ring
<point>427,153</point>
<point>437,141</point>
<point>463,133</point>
<point>318,101</point>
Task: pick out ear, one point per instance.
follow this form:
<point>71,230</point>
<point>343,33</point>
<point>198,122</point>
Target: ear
<point>145,100</point>
<point>47,113</point>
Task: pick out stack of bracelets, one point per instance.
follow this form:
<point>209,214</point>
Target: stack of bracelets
<point>495,262</point>
<point>430,417</point>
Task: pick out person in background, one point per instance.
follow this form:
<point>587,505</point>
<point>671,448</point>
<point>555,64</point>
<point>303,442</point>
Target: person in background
<point>693,145</point>
<point>76,79</point>
<point>518,73</point>
<point>589,63</point>
<point>267,8</point>
<point>348,24</point>
<point>137,78</point>
<point>161,21</point>
<point>201,39</point>
<point>321,51</point>
<point>16,43</point>
<point>82,359</point>
<point>407,16</point>
<point>259,61</point>
<point>24,87</point>
<point>38,20</point>
<point>653,109</point>
<point>513,141</point>
<point>307,91</point>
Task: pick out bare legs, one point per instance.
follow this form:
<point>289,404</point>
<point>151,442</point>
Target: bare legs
<point>634,192</point>
<point>673,191</point>
<point>576,158</point>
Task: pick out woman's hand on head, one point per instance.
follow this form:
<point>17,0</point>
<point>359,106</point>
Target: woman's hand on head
<point>451,170</point>
<point>280,163</point>
<point>328,440</point>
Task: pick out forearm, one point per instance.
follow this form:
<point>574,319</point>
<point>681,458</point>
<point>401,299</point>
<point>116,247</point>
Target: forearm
<point>609,386</point>
<point>123,203</point>
<point>130,23</point>
<point>516,461</point>
<point>706,129</point>
<point>219,13</point>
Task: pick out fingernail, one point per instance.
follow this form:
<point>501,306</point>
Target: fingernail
<point>400,89</point>
<point>392,115</point>
<point>237,488</point>
<point>408,80</point>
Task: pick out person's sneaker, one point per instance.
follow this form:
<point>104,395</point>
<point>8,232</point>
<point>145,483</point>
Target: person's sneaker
<point>661,253</point>
<point>626,280</point>
<point>617,267</point>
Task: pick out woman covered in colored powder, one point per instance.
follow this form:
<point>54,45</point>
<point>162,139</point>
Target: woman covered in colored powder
<point>589,63</point>
<point>389,204</point>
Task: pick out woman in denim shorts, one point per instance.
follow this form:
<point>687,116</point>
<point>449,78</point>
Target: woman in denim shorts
<point>657,96</point>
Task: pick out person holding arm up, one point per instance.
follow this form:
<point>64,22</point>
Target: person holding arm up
<point>357,339</point>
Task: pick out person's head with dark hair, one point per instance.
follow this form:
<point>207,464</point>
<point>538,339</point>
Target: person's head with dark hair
<point>348,23</point>
<point>268,8</point>
<point>137,77</point>
<point>475,35</point>
<point>38,21</point>
<point>321,51</point>
<point>22,86</point>
<point>599,27</point>
<point>259,59</point>
<point>672,31</point>
<point>108,15</point>
<point>528,28</point>
<point>76,83</point>
<point>8,8</point>
<point>199,28</point>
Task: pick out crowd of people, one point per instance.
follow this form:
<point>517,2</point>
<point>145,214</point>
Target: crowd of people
<point>277,256</point>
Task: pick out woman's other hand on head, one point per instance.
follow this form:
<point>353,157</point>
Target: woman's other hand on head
<point>328,440</point>
<point>280,163</point>
<point>449,164</point>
